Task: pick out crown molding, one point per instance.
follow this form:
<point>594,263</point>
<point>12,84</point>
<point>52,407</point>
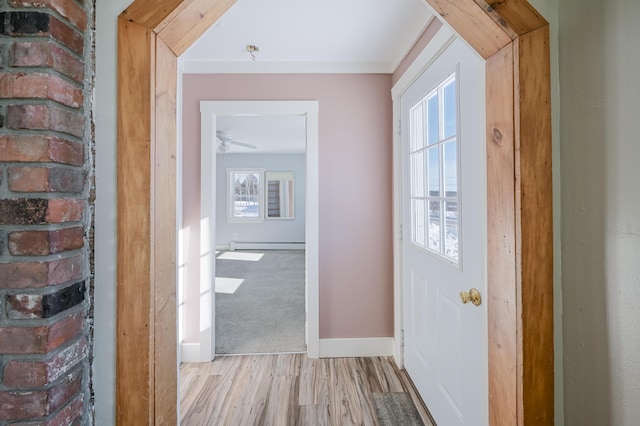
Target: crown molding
<point>189,67</point>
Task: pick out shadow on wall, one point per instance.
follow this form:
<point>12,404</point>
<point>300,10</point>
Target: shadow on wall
<point>583,181</point>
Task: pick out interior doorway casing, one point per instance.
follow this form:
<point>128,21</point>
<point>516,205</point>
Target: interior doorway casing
<point>209,111</point>
<point>510,35</point>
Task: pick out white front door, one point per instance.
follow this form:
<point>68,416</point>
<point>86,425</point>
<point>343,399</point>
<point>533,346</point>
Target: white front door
<point>444,236</point>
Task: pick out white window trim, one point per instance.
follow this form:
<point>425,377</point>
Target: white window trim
<point>443,199</point>
<point>261,197</point>
<point>269,175</point>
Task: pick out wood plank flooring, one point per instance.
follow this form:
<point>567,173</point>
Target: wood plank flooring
<point>291,389</point>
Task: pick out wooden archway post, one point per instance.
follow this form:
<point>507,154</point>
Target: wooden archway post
<point>514,39</point>
<point>509,34</point>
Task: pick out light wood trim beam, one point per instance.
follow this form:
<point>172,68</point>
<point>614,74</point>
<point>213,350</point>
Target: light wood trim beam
<point>163,204</point>
<point>501,235</point>
<point>178,22</point>
<point>533,120</point>
<point>154,14</point>
<point>146,340</point>
<point>185,28</point>
<point>516,15</point>
<point>134,360</point>
<point>473,23</point>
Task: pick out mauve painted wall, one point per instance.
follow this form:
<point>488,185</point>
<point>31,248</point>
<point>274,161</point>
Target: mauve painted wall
<point>355,173</point>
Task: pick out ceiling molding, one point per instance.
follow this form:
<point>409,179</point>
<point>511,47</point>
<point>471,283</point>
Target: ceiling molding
<point>189,67</point>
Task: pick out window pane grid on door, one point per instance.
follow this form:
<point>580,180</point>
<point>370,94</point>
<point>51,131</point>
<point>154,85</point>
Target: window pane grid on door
<point>418,174</point>
<point>418,228</point>
<point>434,174</point>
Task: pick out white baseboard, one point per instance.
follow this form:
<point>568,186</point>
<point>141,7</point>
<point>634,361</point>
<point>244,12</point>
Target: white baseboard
<point>261,246</point>
<point>190,352</point>
<point>339,348</point>
<point>329,348</point>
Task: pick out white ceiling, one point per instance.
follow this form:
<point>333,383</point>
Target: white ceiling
<point>362,35</point>
<point>270,134</point>
<point>338,31</point>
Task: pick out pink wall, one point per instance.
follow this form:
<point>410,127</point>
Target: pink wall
<point>355,167</point>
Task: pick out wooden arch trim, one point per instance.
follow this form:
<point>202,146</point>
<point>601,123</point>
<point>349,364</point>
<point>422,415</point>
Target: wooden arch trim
<point>509,34</point>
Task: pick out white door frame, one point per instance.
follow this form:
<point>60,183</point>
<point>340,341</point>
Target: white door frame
<point>441,40</point>
<point>209,110</point>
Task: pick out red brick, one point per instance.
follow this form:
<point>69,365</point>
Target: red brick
<point>24,306</point>
<point>63,391</point>
<point>29,179</point>
<point>65,270</point>
<point>40,86</point>
<point>66,35</point>
<point>25,374</point>
<point>44,117</point>
<point>44,179</point>
<point>64,330</point>
<point>23,405</point>
<point>30,243</point>
<point>31,148</point>
<point>18,275</point>
<point>69,414</point>
<point>66,152</point>
<point>34,117</point>
<point>67,8</point>
<point>42,243</point>
<point>67,122</point>
<point>41,339</point>
<point>40,148</point>
<point>23,340</point>
<point>20,85</point>
<point>65,210</point>
<point>64,92</point>
<point>65,180</point>
<point>46,54</point>
<point>24,275</point>
<point>66,239</point>
<point>29,405</point>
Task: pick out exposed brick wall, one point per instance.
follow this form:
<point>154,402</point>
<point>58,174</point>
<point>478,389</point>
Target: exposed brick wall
<point>46,211</point>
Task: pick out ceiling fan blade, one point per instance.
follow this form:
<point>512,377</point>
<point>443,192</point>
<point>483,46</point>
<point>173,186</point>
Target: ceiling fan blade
<point>246,145</point>
<point>224,138</point>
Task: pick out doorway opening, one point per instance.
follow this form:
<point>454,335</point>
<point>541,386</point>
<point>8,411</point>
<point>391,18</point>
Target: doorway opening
<point>210,217</point>
<point>260,234</point>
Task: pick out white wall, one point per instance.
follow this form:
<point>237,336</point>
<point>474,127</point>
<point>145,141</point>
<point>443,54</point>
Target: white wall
<point>105,219</point>
<point>600,97</point>
<point>270,231</point>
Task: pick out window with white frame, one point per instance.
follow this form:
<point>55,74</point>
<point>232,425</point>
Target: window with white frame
<point>435,195</point>
<point>245,195</point>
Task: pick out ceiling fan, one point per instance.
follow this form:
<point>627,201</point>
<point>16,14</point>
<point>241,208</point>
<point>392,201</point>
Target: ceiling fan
<point>224,141</point>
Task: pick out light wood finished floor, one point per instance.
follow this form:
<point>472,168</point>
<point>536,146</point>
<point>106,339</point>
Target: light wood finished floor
<point>289,389</point>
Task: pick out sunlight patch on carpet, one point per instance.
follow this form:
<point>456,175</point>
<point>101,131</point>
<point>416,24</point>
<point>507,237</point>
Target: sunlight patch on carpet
<point>234,255</point>
<point>228,285</point>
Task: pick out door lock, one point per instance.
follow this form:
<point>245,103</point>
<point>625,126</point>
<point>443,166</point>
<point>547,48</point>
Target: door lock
<point>472,296</point>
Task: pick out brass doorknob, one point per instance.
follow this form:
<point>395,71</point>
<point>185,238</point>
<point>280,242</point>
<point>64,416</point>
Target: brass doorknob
<point>472,296</point>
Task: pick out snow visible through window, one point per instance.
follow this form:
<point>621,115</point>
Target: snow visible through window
<point>435,197</point>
